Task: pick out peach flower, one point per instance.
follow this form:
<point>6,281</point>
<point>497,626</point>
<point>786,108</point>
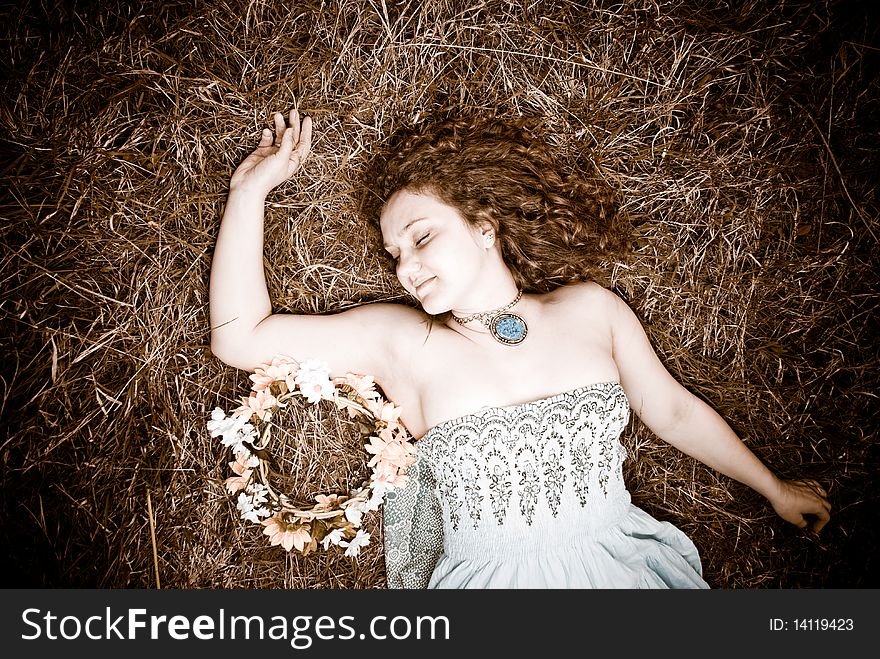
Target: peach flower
<point>328,502</point>
<point>237,483</point>
<point>278,369</point>
<point>259,403</point>
<point>284,534</point>
<point>388,413</point>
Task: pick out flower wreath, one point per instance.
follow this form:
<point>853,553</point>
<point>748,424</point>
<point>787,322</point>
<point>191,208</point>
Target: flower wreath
<point>247,432</point>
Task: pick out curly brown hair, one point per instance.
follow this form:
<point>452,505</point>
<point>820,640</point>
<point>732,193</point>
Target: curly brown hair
<point>554,227</point>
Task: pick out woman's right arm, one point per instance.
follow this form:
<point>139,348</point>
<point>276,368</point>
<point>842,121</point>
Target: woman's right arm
<point>244,331</point>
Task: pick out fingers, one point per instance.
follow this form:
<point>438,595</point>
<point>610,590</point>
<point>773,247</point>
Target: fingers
<point>280,128</point>
<point>292,141</point>
<point>300,133</point>
<point>808,505</point>
<point>293,121</point>
<point>305,139</point>
<point>821,507</point>
<point>824,516</point>
<point>300,130</point>
<point>287,141</point>
<point>823,498</point>
<point>815,488</point>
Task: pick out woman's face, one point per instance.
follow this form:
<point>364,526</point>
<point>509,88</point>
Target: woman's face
<point>439,255</point>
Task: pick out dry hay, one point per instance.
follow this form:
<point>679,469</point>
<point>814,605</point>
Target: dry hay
<point>739,141</point>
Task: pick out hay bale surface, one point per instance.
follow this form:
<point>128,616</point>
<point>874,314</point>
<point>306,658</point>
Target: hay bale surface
<point>740,143</point>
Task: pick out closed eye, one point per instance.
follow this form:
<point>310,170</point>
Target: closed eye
<point>422,239</point>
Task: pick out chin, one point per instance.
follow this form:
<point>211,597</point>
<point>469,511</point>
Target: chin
<point>434,307</point>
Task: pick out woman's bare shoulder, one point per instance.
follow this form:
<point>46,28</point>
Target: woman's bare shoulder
<point>586,292</point>
<point>393,317</point>
<point>590,303</point>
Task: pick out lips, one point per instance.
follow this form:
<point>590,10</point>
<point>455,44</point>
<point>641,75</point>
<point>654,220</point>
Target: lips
<point>423,285</point>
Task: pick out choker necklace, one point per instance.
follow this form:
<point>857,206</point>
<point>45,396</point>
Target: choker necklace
<point>507,328</point>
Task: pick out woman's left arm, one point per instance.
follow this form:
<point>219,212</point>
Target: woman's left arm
<point>686,422</point>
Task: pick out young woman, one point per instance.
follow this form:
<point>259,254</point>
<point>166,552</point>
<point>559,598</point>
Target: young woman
<point>516,376</point>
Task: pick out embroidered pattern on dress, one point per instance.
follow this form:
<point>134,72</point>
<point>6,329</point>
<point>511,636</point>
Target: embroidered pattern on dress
<point>529,488</point>
<point>500,486</point>
<point>493,457</point>
<point>473,498</point>
<point>554,480</point>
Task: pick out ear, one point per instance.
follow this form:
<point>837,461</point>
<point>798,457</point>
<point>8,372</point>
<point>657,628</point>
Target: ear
<point>488,232</point>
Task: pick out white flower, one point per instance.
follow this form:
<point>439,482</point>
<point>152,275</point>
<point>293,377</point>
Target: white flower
<point>220,425</point>
<point>381,486</point>
<point>235,441</point>
<point>258,491</point>
<point>246,508</point>
<point>374,501</point>
<point>316,390</point>
<point>313,379</point>
<point>249,503</point>
<point>353,548</point>
<point>234,430</point>
<point>354,511</point>
<point>334,537</point>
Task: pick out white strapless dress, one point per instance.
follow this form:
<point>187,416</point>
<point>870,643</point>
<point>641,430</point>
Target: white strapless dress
<point>531,496</point>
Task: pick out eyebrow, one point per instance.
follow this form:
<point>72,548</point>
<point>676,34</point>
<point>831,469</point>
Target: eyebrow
<point>404,229</point>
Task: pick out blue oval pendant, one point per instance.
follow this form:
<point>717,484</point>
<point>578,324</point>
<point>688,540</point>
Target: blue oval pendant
<point>509,329</point>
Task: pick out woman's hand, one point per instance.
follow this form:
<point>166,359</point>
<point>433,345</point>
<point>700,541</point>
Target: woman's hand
<point>798,499</point>
<point>277,158</point>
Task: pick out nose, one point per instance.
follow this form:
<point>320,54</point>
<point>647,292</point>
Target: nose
<point>407,266</point>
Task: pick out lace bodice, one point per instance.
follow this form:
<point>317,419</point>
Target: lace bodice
<point>503,478</point>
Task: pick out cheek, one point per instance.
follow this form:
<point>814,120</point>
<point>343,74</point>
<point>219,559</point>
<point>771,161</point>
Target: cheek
<point>396,266</point>
<point>445,252</point>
